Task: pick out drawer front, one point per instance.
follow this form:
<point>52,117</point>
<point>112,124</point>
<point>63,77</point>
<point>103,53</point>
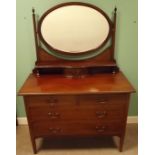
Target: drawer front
<point>50,101</point>
<point>77,113</point>
<point>61,101</point>
<point>103,100</point>
<point>77,107</point>
<point>75,128</point>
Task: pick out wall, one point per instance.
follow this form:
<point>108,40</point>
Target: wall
<point>126,40</point>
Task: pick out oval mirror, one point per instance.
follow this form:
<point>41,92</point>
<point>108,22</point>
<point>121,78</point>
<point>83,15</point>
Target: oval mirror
<point>74,28</point>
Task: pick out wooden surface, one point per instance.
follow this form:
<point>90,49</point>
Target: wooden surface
<point>78,115</point>
<point>95,105</point>
<point>58,84</point>
<point>67,107</point>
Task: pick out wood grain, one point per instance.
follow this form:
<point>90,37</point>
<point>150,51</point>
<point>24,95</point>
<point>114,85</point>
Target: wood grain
<point>58,84</point>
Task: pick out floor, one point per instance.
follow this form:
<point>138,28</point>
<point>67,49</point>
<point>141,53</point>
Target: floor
<point>104,146</point>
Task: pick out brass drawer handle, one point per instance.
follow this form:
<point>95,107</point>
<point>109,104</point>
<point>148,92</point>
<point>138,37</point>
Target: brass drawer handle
<point>102,101</point>
<point>53,115</point>
<point>100,129</point>
<point>56,114</point>
<point>52,104</point>
<point>55,130</point>
<point>49,113</point>
<point>51,101</point>
<point>101,114</point>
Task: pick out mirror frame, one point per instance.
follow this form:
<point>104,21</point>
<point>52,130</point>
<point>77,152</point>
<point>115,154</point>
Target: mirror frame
<point>69,4</point>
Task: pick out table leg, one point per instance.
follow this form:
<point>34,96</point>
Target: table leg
<point>121,143</point>
<point>34,145</point>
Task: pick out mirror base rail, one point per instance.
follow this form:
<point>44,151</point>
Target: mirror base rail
<point>75,72</point>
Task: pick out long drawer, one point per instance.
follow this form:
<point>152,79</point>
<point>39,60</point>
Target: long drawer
<point>75,128</point>
<point>77,113</point>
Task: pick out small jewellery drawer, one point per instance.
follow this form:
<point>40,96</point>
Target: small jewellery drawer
<point>75,128</point>
<point>76,113</point>
<point>51,101</point>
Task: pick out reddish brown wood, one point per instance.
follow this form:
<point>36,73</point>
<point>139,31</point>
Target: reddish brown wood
<point>56,84</point>
<point>75,128</point>
<point>66,108</point>
<point>77,115</point>
<point>35,33</point>
<point>30,129</point>
<point>113,34</point>
<point>91,106</point>
<point>122,135</point>
<point>71,114</point>
<point>49,64</point>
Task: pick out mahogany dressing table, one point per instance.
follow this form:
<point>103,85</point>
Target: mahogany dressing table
<point>76,88</point>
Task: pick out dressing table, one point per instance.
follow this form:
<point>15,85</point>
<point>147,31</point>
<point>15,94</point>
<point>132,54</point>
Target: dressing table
<point>76,88</point>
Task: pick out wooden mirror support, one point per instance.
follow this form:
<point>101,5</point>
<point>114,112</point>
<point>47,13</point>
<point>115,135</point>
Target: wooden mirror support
<point>100,63</point>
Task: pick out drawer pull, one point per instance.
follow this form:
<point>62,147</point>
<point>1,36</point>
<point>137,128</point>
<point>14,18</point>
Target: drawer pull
<point>52,104</point>
<point>51,101</point>
<point>101,114</point>
<point>53,115</point>
<point>102,101</point>
<point>100,129</point>
<point>49,113</point>
<point>55,130</point>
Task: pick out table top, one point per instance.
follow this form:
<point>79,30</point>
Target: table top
<point>91,84</point>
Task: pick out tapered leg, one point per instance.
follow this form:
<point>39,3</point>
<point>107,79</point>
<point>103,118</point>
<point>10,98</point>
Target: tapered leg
<point>121,143</point>
<point>34,145</point>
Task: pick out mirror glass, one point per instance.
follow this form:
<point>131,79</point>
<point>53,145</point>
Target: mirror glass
<point>74,29</point>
